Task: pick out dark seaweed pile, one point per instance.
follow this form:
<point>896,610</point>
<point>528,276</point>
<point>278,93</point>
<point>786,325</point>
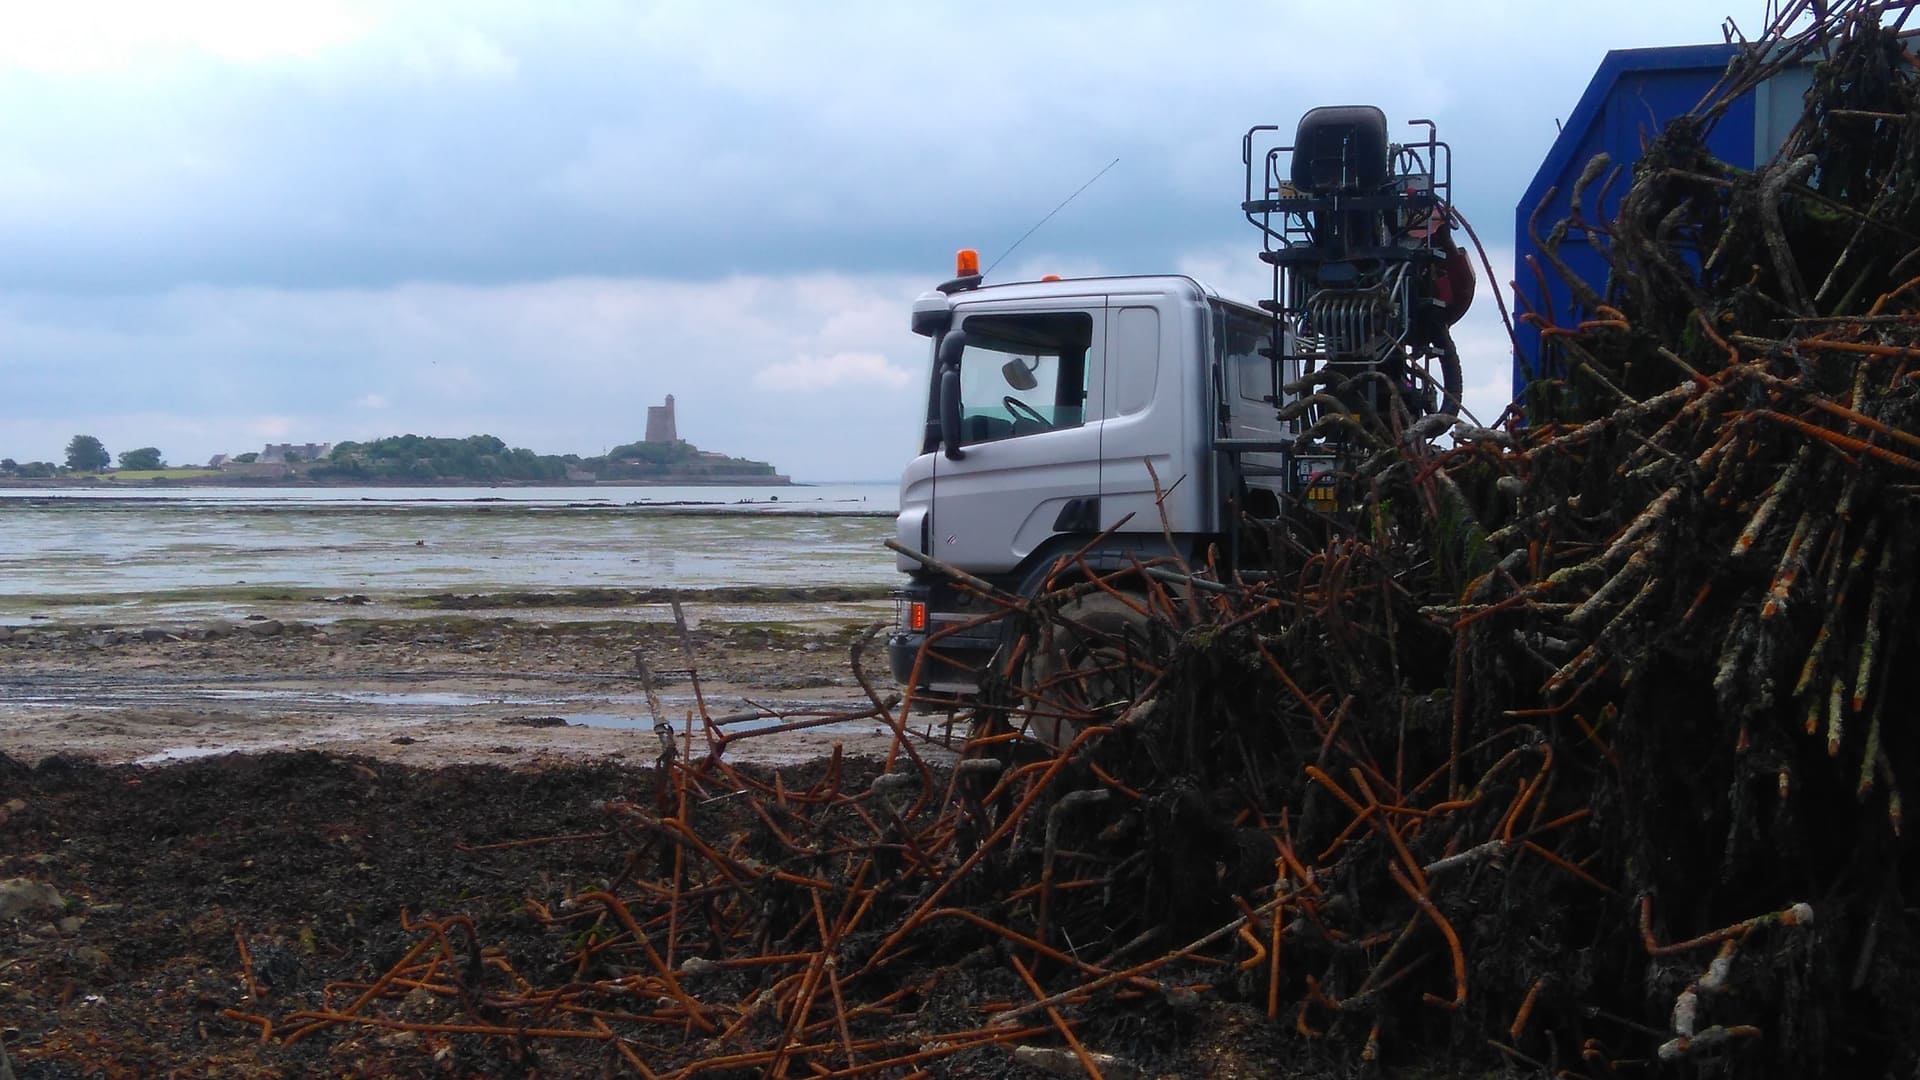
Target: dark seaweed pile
<point>1583,744</point>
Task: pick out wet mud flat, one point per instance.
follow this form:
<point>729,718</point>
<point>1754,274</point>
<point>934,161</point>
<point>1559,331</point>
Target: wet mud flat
<point>436,680</point>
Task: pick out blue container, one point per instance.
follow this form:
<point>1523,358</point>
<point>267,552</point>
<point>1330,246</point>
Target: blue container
<point>1631,98</point>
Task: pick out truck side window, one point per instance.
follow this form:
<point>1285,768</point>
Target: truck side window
<point>1249,370</point>
<point>1133,359</point>
<point>1023,374</point>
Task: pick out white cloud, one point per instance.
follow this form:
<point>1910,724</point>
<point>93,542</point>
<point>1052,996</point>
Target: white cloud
<point>813,373</point>
<point>83,36</point>
<point>1232,270</point>
<point>482,57</point>
<point>560,366</point>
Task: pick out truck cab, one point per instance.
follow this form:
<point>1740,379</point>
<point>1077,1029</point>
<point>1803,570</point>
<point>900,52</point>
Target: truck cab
<point>1073,425</point>
<point>1079,427</point>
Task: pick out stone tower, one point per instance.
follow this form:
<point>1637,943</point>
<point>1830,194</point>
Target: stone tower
<point>660,426</point>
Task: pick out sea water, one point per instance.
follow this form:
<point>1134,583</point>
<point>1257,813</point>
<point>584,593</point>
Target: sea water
<point>81,552</point>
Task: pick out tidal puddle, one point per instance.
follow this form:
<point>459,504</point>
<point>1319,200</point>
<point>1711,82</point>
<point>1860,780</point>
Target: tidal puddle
<point>188,753</point>
<point>622,711</point>
<point>627,722</point>
<point>429,699</point>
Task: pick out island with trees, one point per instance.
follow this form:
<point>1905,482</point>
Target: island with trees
<point>486,459</point>
<point>403,459</point>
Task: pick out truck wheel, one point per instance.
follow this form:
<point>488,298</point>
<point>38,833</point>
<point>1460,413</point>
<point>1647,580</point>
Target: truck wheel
<point>1083,665</point>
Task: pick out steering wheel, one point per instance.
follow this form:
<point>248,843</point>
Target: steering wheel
<point>1023,411</point>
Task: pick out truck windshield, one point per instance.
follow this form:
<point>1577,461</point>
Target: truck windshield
<point>1023,374</point>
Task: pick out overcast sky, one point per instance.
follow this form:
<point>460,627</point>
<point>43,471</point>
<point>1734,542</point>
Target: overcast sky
<point>227,223</point>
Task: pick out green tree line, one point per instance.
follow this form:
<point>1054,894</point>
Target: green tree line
<point>85,454</point>
<point>425,458</point>
<point>31,470</point>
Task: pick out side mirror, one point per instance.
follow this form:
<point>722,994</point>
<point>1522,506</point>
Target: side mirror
<point>950,413</point>
<point>951,348</point>
<point>1019,375</point>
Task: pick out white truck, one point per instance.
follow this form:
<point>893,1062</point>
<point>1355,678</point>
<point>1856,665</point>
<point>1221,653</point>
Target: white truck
<point>1084,424</point>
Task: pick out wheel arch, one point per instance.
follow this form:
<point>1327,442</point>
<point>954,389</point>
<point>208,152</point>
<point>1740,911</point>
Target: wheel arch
<point>1112,553</point>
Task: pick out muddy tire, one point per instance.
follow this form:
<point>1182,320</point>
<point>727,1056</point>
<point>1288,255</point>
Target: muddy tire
<point>1084,664</point>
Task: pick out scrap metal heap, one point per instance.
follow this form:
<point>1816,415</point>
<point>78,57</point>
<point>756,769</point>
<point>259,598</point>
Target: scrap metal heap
<point>1584,748</point>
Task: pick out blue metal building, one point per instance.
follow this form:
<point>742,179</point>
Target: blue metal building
<point>1631,98</point>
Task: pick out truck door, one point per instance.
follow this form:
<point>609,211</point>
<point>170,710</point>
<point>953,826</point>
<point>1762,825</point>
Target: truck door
<point>1156,387</point>
<point>1138,428</point>
<point>1250,402</point>
<point>1031,397</point>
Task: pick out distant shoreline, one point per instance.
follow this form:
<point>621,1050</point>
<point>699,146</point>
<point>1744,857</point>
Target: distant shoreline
<point>104,483</point>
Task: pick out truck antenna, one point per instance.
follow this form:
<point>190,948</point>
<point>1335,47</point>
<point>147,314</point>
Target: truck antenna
<point>1049,217</point>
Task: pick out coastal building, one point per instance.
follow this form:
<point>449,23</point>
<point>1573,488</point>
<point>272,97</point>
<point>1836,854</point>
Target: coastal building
<point>277,452</point>
<point>660,425</point>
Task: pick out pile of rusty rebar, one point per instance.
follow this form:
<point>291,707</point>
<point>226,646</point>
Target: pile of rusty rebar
<point>1580,746</point>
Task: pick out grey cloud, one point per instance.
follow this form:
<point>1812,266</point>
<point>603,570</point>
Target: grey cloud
<point>536,219</point>
<point>524,143</point>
